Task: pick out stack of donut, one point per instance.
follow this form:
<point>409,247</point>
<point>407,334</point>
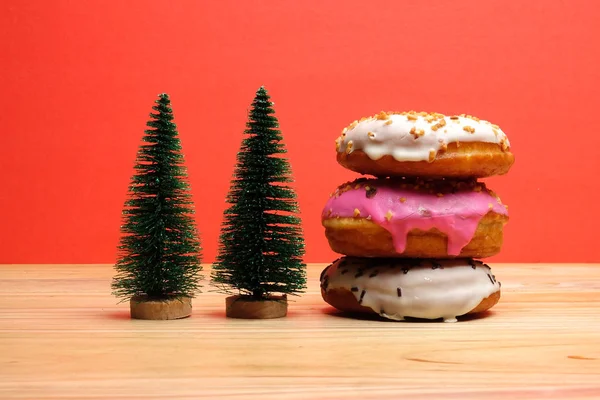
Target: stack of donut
<point>411,234</point>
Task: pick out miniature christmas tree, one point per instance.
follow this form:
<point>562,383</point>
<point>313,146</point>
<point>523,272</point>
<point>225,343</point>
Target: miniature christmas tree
<point>159,254</point>
<point>261,244</point>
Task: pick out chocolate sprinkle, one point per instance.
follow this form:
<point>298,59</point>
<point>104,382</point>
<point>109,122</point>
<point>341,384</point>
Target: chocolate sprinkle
<point>373,274</point>
<point>371,192</point>
<point>399,292</point>
<point>359,274</point>
<point>354,289</point>
<point>362,294</point>
<point>343,271</point>
<point>436,265</point>
<point>405,270</point>
<point>382,312</point>
<point>491,279</point>
<point>325,283</point>
<point>472,264</point>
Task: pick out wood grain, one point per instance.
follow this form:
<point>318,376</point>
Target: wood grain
<point>62,335</point>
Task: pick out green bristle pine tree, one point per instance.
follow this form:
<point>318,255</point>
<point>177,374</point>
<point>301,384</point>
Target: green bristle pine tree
<point>159,252</point>
<point>261,242</point>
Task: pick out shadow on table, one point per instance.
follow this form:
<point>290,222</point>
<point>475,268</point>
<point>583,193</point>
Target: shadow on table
<point>119,314</point>
<point>374,317</point>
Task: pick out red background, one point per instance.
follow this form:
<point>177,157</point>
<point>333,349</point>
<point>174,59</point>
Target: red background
<point>78,79</point>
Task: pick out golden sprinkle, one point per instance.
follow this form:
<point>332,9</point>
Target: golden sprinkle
<point>495,126</point>
<point>505,206</point>
<point>388,122</point>
<point>430,119</point>
<point>337,144</point>
<point>439,125</point>
<point>469,129</point>
<point>490,206</point>
<point>416,132</point>
<point>371,135</point>
<point>389,215</point>
<point>423,113</point>
<point>477,188</point>
<point>411,117</point>
<point>431,155</point>
<point>382,116</point>
<point>356,212</point>
<point>362,119</point>
<point>352,125</point>
<point>439,194</point>
<point>495,132</point>
<point>454,118</point>
<point>402,199</point>
<point>349,147</point>
<point>344,131</point>
<point>357,186</point>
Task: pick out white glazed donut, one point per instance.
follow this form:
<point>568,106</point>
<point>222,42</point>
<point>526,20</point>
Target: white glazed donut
<point>424,144</point>
<point>399,288</point>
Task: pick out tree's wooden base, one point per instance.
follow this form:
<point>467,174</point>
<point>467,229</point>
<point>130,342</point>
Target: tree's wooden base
<point>248,308</point>
<point>175,308</point>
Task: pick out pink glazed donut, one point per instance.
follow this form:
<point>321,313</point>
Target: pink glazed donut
<point>414,218</point>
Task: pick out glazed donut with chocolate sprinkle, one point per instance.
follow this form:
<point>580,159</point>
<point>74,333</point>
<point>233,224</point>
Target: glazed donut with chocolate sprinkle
<point>424,144</point>
<point>415,218</point>
<point>400,288</point>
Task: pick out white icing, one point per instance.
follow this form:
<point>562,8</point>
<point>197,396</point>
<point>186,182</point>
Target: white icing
<point>380,137</point>
<point>452,289</point>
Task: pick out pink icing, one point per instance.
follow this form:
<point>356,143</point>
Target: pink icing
<point>457,213</point>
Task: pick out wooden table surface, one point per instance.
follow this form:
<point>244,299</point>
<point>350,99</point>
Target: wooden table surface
<point>62,335</point>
